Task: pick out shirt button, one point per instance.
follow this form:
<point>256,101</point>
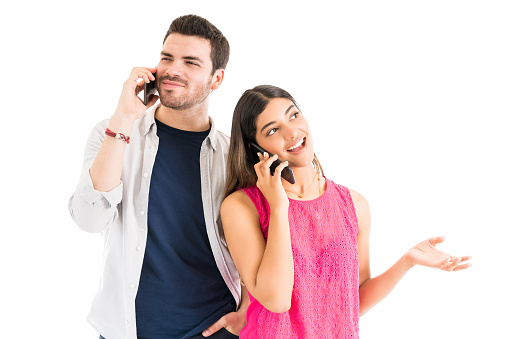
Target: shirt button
<point>145,175</point>
<point>149,147</point>
<point>142,212</point>
<point>138,248</point>
<point>127,322</point>
<point>132,286</point>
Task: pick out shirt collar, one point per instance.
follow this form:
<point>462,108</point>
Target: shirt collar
<point>149,121</point>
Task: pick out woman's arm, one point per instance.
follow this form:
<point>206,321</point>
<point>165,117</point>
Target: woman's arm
<point>265,268</point>
<point>373,290</point>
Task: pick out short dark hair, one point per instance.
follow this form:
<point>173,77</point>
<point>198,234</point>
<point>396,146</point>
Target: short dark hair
<point>194,25</point>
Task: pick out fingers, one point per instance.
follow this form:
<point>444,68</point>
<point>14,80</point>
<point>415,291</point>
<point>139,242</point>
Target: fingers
<point>153,100</point>
<point>139,87</point>
<point>214,327</point>
<point>263,167</point>
<point>280,168</point>
<point>462,267</point>
<point>454,264</point>
<point>143,73</point>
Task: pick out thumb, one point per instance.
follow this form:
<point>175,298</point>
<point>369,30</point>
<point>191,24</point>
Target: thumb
<point>214,327</point>
<point>153,100</point>
<point>436,240</point>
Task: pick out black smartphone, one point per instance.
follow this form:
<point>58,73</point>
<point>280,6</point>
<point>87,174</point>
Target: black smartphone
<point>149,90</point>
<point>287,172</point>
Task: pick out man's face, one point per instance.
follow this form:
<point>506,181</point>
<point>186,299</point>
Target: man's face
<point>184,72</point>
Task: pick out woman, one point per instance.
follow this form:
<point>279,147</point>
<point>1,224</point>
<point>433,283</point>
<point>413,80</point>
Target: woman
<point>302,249</point>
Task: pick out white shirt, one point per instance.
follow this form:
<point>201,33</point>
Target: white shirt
<point>121,217</point>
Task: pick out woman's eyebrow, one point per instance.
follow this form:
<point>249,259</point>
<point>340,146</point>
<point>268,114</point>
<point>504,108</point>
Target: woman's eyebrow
<point>273,122</point>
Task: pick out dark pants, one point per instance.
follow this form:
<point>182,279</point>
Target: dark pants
<point>221,334</point>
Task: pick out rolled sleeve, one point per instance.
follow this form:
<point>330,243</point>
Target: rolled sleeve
<point>93,210</point>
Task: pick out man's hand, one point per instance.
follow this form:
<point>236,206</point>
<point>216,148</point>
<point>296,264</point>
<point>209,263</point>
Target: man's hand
<point>130,107</point>
<point>233,322</point>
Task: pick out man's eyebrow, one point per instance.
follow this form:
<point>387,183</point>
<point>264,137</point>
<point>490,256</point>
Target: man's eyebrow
<point>273,122</point>
<point>190,57</point>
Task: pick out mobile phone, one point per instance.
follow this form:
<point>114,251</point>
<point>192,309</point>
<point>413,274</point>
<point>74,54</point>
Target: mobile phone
<point>287,172</point>
<point>149,90</point>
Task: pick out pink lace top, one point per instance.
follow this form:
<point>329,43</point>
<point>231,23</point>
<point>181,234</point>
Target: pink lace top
<point>325,297</point>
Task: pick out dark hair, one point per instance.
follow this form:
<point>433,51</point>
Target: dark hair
<point>240,171</point>
<point>194,25</point>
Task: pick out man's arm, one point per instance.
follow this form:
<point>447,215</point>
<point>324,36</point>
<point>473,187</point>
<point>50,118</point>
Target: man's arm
<point>93,205</point>
<point>107,167</point>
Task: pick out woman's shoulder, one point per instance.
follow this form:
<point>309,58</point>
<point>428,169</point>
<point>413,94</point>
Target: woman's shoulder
<point>237,197</point>
<point>242,196</point>
<point>358,200</point>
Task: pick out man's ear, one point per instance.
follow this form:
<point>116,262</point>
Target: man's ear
<point>217,78</point>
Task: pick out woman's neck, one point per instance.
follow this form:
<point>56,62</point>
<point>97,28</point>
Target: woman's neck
<point>308,184</point>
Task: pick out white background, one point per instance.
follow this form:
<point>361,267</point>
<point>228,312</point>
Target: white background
<point>408,102</point>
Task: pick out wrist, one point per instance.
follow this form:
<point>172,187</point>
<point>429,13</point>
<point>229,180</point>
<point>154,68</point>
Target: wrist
<point>280,210</point>
<point>121,123</point>
<point>407,261</point>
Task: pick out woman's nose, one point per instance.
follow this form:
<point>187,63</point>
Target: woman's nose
<point>291,133</point>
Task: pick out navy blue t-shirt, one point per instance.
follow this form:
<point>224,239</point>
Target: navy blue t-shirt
<point>181,291</point>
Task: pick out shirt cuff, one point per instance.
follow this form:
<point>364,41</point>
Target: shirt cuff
<point>87,191</point>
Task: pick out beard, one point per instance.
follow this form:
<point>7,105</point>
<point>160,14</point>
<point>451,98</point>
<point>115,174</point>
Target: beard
<point>185,100</point>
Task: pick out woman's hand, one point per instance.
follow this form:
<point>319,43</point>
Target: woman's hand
<point>271,185</point>
<point>426,254</point>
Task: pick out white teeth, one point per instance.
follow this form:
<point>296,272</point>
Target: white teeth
<point>296,145</point>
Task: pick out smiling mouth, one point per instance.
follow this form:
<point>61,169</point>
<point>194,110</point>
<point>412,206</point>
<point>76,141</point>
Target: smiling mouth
<point>298,146</point>
<point>172,84</point>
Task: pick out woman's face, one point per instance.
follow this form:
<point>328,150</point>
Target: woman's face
<point>281,129</point>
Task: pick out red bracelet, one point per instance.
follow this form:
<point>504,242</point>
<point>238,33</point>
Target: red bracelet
<point>117,135</point>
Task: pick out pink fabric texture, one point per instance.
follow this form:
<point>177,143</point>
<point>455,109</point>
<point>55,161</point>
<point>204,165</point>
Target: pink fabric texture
<point>325,297</point>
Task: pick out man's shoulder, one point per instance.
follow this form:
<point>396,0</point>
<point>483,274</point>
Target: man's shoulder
<point>222,141</point>
<point>223,137</point>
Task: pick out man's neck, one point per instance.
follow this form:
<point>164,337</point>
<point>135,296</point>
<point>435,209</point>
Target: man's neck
<point>195,119</point>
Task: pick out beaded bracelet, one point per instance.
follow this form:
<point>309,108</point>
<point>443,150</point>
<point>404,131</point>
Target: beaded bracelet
<point>120,136</point>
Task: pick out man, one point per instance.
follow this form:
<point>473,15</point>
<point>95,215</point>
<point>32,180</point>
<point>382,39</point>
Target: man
<point>152,184</point>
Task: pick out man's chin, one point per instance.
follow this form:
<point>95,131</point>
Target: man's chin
<point>174,104</point>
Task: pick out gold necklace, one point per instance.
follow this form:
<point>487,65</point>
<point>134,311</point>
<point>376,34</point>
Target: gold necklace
<point>312,182</point>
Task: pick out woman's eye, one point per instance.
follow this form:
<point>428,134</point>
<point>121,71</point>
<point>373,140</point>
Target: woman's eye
<point>272,131</point>
<point>294,115</point>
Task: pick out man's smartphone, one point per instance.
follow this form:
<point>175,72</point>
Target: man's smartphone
<point>287,172</point>
<point>149,90</point>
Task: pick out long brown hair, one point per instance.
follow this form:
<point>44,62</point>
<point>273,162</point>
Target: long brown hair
<point>240,171</point>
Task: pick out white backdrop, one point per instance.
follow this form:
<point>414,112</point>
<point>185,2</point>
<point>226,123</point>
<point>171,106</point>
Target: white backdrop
<point>408,102</point>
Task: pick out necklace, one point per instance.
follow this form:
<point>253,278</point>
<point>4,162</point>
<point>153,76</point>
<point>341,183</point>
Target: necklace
<point>312,182</point>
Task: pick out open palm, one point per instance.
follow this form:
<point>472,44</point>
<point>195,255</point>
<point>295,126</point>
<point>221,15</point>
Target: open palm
<point>426,254</point>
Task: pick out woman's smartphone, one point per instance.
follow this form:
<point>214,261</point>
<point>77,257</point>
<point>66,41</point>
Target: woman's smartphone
<point>287,172</point>
<point>149,90</point>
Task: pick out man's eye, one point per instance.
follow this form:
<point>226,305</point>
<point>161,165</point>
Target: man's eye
<point>192,63</point>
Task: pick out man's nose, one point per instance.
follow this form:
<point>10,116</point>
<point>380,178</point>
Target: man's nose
<point>175,69</point>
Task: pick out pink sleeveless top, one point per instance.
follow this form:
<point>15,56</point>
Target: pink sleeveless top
<point>325,297</point>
